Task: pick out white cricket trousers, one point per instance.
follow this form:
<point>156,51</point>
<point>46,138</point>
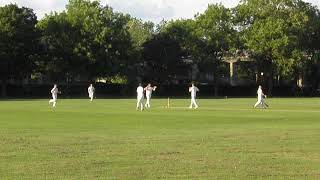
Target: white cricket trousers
<point>193,103</point>
<point>91,96</point>
<point>140,103</point>
<point>260,102</point>
<point>148,101</point>
<point>53,100</point>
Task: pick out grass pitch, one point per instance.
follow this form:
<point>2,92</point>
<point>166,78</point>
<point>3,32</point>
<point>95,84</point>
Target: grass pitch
<point>109,139</point>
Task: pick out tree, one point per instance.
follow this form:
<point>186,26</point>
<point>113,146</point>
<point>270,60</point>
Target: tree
<point>271,29</point>
<point>164,52</point>
<point>104,42</point>
<point>59,40</point>
<point>162,56</point>
<point>87,41</point>
<point>140,32</point>
<point>216,34</point>
<point>18,43</point>
<point>204,39</point>
<point>308,68</point>
<point>183,31</point>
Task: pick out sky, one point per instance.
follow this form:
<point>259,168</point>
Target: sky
<point>147,10</point>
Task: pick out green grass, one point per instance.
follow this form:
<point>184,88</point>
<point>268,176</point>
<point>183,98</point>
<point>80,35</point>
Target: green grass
<point>109,139</point>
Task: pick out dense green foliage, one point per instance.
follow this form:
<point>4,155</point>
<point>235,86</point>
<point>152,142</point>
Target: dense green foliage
<point>86,41</point>
<point>272,30</point>
<point>109,139</point>
<point>18,43</point>
<point>89,41</point>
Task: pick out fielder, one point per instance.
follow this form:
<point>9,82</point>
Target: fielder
<point>140,97</point>
<point>91,91</point>
<point>261,99</point>
<point>149,90</point>
<point>193,90</point>
<point>54,91</point>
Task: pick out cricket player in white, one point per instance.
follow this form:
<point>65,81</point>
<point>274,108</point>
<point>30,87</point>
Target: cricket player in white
<point>140,97</point>
<point>54,92</point>
<point>91,91</point>
<point>149,90</point>
<point>193,90</point>
<point>261,97</point>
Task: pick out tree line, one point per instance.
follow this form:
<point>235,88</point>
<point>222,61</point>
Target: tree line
<point>88,41</point>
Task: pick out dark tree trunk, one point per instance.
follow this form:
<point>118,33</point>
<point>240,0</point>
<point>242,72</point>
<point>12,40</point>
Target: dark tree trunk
<point>216,90</point>
<point>270,76</point>
<point>216,84</point>
<point>3,88</point>
<point>270,84</point>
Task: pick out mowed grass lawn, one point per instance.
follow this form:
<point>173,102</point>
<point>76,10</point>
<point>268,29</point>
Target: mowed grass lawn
<point>109,139</point>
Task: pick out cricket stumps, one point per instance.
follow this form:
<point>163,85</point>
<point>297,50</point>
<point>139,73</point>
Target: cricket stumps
<point>168,104</point>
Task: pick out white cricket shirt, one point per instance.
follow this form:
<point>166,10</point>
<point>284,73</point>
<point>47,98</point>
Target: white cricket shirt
<point>140,92</point>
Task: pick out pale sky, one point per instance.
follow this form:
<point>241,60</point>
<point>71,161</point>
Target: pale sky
<point>148,10</point>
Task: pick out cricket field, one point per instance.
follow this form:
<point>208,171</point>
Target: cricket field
<point>109,139</point>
